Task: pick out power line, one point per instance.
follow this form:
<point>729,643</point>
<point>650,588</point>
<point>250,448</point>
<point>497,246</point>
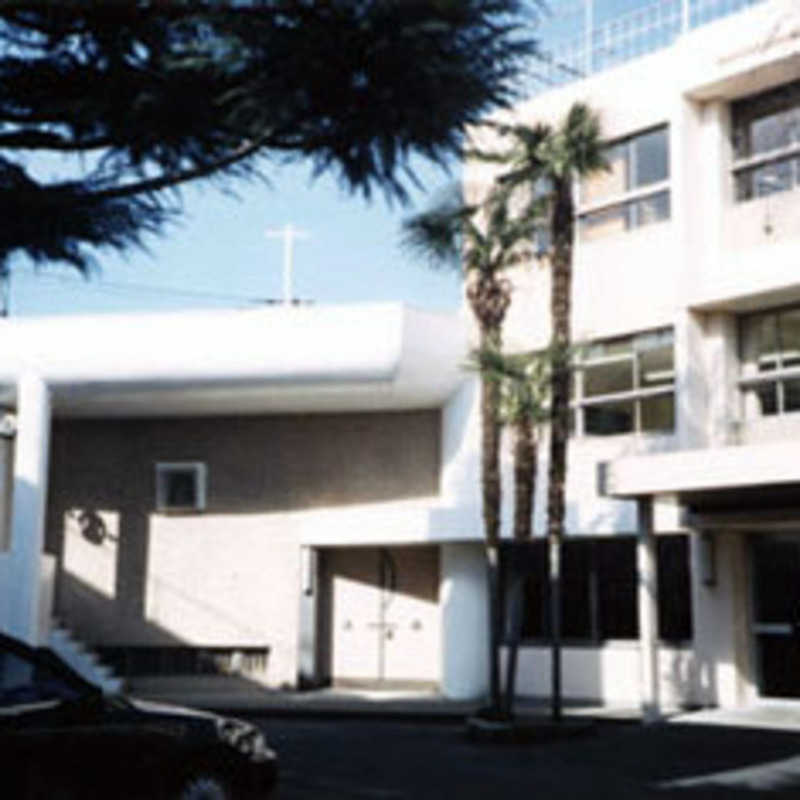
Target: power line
<point>123,287</point>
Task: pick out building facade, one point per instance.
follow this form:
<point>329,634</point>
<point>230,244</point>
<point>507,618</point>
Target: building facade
<point>275,492</point>
<point>682,494</point>
<point>294,492</point>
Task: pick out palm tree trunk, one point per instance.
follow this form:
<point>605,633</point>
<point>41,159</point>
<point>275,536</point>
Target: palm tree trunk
<point>524,478</point>
<point>490,483</point>
<point>525,456</point>
<point>562,225</point>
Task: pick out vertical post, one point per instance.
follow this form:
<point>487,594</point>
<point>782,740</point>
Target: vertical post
<point>308,672</point>
<point>685,16</point>
<point>289,234</point>
<point>28,509</point>
<point>648,612</point>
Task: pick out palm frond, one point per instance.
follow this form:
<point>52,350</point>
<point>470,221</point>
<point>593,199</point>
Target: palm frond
<point>523,378</point>
<point>439,234</point>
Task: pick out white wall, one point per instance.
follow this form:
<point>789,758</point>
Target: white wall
<point>251,595</point>
<point>608,675</point>
<point>721,618</point>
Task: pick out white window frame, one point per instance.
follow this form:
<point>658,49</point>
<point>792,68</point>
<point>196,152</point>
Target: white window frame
<point>635,193</point>
<point>580,403</point>
<point>777,155</point>
<point>750,378</point>
<point>164,468</point>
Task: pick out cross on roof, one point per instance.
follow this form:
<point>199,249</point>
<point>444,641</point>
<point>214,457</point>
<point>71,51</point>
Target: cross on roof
<point>288,233</point>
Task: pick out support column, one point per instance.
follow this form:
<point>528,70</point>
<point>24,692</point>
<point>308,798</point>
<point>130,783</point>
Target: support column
<point>307,667</point>
<point>465,621</point>
<point>31,451</point>
<point>648,612</point>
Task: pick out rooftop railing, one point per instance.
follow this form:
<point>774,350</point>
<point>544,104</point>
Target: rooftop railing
<point>605,44</point>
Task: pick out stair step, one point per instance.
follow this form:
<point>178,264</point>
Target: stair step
<point>83,660</point>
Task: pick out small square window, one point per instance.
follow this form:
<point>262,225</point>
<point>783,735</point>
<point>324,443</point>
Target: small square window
<point>181,486</point>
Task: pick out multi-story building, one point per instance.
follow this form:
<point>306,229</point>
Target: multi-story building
<point>686,299</point>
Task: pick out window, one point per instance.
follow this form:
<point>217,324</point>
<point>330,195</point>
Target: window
<point>24,681</point>
<point>770,358</point>
<point>181,486</point>
<point>766,142</point>
<point>634,192</point>
<point>625,385</point>
<point>599,599</point>
<point>674,588</point>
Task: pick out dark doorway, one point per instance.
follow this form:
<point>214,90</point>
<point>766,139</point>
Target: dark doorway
<point>776,614</point>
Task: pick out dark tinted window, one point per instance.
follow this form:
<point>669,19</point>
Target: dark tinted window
<point>767,121</point>
<point>616,589</point>
<point>26,681</point>
<point>599,589</point>
<point>674,589</point>
<point>576,589</point>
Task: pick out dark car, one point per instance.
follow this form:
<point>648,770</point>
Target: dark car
<point>61,737</point>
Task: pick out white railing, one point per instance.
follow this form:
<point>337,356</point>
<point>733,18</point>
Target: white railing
<point>623,38</point>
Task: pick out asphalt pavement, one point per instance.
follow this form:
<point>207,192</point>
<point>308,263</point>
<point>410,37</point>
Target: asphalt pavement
<point>364,759</point>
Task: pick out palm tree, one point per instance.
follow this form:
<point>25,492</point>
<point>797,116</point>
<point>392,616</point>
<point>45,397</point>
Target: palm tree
<point>552,160</point>
<point>484,240</point>
<point>523,381</point>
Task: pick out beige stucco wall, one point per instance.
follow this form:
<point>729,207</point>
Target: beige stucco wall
<point>230,575</point>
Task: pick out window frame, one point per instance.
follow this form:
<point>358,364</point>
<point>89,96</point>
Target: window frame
<point>629,200</point>
<point>783,154</point>
<point>777,376</point>
<point>200,471</point>
<point>580,402</point>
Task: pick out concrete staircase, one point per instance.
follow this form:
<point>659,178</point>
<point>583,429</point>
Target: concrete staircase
<point>86,663</point>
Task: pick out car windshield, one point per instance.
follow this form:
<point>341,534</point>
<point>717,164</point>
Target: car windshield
<point>28,681</point>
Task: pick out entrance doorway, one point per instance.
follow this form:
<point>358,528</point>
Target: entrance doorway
<point>381,610</point>
<point>776,614</point>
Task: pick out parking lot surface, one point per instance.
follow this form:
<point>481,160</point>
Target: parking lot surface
<point>385,760</point>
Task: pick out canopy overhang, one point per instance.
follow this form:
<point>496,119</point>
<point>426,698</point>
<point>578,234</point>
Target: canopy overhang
<point>270,360</point>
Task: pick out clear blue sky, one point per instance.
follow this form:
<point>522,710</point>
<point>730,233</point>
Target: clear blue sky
<point>220,249</point>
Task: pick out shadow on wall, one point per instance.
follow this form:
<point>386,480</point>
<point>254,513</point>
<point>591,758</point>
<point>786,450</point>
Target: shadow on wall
<point>101,509</point>
<point>373,602</point>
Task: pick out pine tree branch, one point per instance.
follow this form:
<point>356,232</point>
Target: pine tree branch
<point>47,140</point>
<point>153,185</point>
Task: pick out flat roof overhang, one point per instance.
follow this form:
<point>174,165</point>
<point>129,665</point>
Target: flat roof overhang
<point>748,486</point>
<point>267,360</point>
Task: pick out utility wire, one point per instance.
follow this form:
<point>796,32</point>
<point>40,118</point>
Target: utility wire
<point>123,287</point>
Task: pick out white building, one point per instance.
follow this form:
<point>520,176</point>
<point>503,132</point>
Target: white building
<point>294,491</point>
<point>286,491</point>
<point>687,287</point>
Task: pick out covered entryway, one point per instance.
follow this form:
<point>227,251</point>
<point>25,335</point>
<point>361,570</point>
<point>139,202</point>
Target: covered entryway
<point>776,614</point>
<point>379,612</point>
<point>742,506</point>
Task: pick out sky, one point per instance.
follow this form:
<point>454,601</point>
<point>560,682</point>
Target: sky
<point>219,254</point>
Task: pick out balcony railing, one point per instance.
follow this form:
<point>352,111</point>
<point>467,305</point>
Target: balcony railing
<point>604,44</point>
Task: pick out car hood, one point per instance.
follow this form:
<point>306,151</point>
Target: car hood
<point>153,707</point>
